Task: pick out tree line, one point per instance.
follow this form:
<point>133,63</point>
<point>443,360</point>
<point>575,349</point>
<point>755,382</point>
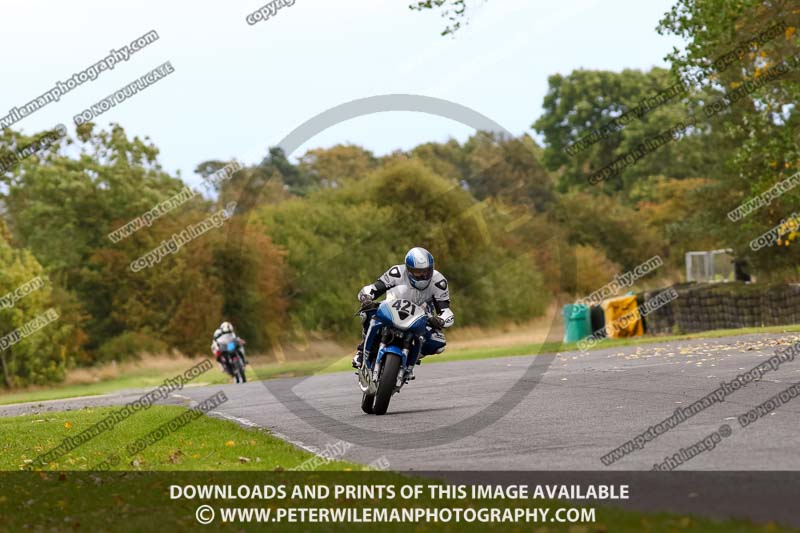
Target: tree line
<point>512,224</point>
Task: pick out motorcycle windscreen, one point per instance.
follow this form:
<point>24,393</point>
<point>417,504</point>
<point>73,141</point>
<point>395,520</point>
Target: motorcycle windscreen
<point>405,292</point>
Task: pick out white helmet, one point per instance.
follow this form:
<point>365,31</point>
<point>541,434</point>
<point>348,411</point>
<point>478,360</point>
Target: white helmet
<point>226,327</point>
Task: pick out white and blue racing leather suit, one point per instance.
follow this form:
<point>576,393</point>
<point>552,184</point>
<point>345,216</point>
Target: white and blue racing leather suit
<point>435,299</point>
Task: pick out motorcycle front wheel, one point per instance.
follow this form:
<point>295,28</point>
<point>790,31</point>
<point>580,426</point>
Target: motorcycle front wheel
<point>240,375</point>
<point>388,380</point>
<point>367,400</point>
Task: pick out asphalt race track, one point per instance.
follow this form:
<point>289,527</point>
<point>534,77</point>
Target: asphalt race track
<point>585,405</point>
<point>548,412</point>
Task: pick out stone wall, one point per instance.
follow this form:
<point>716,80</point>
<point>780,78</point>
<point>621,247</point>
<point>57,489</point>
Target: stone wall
<point>707,306</point>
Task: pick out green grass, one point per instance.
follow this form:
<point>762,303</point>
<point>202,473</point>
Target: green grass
<point>144,378</point>
<point>206,443</point>
<point>61,497</point>
<point>137,379</point>
<point>91,389</point>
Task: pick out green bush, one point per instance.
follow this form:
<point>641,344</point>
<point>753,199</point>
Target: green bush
<point>43,354</point>
<point>338,240</point>
<point>130,345</point>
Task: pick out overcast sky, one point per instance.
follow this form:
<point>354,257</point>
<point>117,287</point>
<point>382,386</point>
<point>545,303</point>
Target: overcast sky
<point>239,88</point>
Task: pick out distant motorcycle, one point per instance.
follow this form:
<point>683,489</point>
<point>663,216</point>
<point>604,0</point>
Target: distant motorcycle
<point>401,329</point>
<point>231,358</point>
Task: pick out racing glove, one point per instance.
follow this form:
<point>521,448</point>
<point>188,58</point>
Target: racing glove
<point>436,322</point>
<point>447,317</point>
<point>366,294</point>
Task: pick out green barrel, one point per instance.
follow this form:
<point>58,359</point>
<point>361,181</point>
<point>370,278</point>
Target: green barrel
<point>577,322</point>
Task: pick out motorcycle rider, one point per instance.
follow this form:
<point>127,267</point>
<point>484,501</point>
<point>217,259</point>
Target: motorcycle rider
<point>428,288</point>
<point>226,328</point>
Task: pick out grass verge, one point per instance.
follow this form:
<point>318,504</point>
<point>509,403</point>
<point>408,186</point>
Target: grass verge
<point>203,444</point>
<point>233,455</point>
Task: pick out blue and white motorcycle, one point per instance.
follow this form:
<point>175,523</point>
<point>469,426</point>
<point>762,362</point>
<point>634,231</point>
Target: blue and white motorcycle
<point>230,357</point>
<point>391,349</point>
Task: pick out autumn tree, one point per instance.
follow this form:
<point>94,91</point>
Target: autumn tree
<point>582,136</point>
<point>31,352</point>
<point>333,167</point>
<point>757,124</point>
